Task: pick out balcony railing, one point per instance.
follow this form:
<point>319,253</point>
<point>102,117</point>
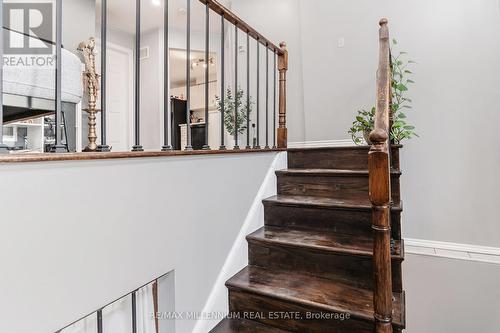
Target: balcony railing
<point>270,126</point>
<point>152,288</point>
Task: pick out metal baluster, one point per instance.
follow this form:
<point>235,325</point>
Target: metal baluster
<point>103,147</point>
<point>235,94</point>
<point>58,147</point>
<point>99,321</point>
<point>134,312</point>
<point>207,72</point>
<point>248,91</point>
<point>267,97</point>
<point>274,100</point>
<point>3,147</point>
<point>257,144</point>
<point>223,84</point>
<point>137,146</point>
<point>166,79</point>
<point>188,76</point>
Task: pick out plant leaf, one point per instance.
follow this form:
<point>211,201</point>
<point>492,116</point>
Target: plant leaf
<point>401,87</point>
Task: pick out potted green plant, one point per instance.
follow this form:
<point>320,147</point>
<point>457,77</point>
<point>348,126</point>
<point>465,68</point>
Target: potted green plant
<point>242,107</point>
<point>401,129</point>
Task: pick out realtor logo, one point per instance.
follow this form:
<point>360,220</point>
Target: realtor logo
<point>27,28</point>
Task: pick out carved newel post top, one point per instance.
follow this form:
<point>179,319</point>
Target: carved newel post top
<point>283,59</point>
<point>378,136</point>
<point>383,22</point>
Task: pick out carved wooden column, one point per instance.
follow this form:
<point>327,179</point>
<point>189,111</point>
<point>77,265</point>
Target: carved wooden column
<point>391,113</point>
<point>92,135</point>
<point>91,88</point>
<point>380,190</point>
<point>283,68</point>
<point>380,197</point>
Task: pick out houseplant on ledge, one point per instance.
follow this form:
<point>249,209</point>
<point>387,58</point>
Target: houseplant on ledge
<point>401,129</point>
<point>230,105</point>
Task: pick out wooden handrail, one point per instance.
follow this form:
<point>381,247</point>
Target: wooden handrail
<point>242,25</point>
<point>380,189</point>
<point>281,51</point>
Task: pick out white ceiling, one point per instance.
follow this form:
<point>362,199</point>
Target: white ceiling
<point>121,15</point>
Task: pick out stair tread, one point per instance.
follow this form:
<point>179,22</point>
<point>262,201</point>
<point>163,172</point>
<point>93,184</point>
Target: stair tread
<point>328,172</point>
<point>230,325</point>
<point>326,241</point>
<point>353,147</point>
<point>316,293</point>
<point>323,202</point>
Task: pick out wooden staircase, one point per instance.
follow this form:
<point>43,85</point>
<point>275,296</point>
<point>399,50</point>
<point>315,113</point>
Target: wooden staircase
<point>311,265</point>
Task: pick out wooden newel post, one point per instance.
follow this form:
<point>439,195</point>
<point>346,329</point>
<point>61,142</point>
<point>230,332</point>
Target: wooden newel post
<point>283,68</point>
<point>380,191</point>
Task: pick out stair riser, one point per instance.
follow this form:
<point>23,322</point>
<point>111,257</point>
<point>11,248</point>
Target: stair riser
<point>346,268</point>
<point>338,187</point>
<point>354,158</point>
<point>351,222</point>
<point>346,159</point>
<point>236,325</point>
<point>243,302</point>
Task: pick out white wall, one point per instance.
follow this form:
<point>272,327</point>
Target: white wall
<point>110,226</point>
<point>77,30</point>
<point>119,38</point>
<point>218,300</point>
<point>279,20</point>
<point>448,171</point>
<point>446,295</point>
<point>151,91</point>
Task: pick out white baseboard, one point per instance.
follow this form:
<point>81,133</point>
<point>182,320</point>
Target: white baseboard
<point>453,250</point>
<point>325,143</point>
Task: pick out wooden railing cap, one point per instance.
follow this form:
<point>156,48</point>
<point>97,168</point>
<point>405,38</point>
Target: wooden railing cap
<point>283,60</point>
<point>384,29</point>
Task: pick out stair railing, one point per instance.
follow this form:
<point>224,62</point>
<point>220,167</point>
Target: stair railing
<point>279,138</point>
<point>98,314</point>
<point>379,161</point>
<point>275,135</point>
<point>279,52</point>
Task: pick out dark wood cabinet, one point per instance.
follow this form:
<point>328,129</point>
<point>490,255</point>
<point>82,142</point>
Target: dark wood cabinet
<point>198,136</point>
